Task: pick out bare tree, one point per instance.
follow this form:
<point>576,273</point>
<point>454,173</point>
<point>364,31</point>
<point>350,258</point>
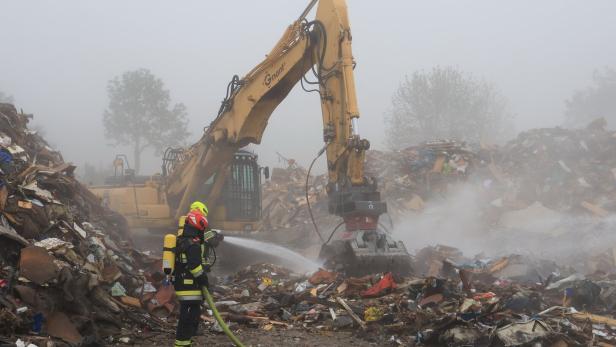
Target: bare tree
<point>140,114</point>
<point>6,98</point>
<point>597,100</point>
<point>446,103</point>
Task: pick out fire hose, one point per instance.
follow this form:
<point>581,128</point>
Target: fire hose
<point>223,325</point>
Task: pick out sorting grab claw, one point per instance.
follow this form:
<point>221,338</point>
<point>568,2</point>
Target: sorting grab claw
<point>367,252</point>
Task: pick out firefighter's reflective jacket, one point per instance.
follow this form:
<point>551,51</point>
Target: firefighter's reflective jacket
<point>191,262</point>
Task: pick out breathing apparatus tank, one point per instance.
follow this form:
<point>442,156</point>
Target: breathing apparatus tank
<point>169,244</point>
<point>181,223</point>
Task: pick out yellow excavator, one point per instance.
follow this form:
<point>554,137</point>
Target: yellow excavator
<point>317,54</point>
<point>232,193</point>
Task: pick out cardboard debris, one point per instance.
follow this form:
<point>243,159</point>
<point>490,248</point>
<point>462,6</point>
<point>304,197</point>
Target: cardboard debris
<point>37,265</point>
<point>517,334</point>
<point>59,325</point>
<point>62,249</point>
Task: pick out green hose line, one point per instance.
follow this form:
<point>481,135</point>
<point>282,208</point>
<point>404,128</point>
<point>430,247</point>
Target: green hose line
<point>223,325</point>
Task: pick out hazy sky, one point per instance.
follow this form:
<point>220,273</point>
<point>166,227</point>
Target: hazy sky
<point>57,57</point>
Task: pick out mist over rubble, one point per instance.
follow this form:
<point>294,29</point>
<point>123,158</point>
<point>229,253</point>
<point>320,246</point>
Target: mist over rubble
<point>458,220</point>
<point>453,220</point>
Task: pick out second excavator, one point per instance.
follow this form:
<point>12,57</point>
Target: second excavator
<point>318,55</point>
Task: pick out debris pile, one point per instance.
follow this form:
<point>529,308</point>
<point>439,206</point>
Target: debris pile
<point>284,199</point>
<point>508,301</point>
<point>453,300</point>
<point>406,178</point>
<point>67,267</point>
<point>410,176</point>
<point>548,171</point>
<point>567,170</point>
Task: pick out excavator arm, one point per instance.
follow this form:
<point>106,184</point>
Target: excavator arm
<point>243,115</point>
<point>322,46</point>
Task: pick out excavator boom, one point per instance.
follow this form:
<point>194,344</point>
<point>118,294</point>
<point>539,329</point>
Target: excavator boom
<point>322,46</point>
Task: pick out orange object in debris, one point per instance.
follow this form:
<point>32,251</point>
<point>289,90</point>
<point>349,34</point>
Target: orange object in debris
<point>432,299</point>
<point>386,284</point>
<point>130,301</point>
<point>438,164</point>
<point>24,204</point>
<point>322,276</point>
<point>484,296</point>
<point>164,297</point>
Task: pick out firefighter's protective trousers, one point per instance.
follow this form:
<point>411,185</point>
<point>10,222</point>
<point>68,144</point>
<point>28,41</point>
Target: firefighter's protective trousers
<point>188,324</point>
<point>190,276</point>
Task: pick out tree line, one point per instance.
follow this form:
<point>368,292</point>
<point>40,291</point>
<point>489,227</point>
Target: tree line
<point>442,103</point>
<point>446,102</point>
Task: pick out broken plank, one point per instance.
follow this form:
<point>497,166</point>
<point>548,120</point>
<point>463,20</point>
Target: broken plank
<point>344,305</point>
<point>594,318</point>
<point>596,210</point>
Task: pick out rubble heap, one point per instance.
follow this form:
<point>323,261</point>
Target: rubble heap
<point>67,267</point>
<point>568,170</point>
<point>565,170</point>
<point>410,176</point>
<point>455,301</point>
<point>284,199</point>
<point>406,178</point>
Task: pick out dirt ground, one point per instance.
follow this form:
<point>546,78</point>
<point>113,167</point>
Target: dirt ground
<point>261,338</point>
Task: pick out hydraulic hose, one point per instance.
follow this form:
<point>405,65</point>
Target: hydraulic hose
<point>314,223</point>
<point>223,325</point>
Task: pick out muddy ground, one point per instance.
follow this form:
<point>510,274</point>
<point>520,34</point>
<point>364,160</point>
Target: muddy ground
<point>256,338</point>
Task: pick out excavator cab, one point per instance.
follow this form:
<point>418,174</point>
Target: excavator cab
<point>242,190</point>
<point>236,187</point>
<point>239,205</point>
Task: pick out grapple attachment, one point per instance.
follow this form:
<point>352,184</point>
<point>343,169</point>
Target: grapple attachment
<point>367,252</point>
<point>366,249</point>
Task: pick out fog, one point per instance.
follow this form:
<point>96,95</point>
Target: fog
<point>58,56</point>
<point>537,232</point>
<point>455,220</point>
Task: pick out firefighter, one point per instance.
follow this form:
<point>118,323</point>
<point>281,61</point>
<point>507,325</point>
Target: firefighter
<point>193,247</point>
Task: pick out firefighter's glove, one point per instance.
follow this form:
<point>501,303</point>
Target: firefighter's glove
<point>214,237</point>
<point>203,281</point>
